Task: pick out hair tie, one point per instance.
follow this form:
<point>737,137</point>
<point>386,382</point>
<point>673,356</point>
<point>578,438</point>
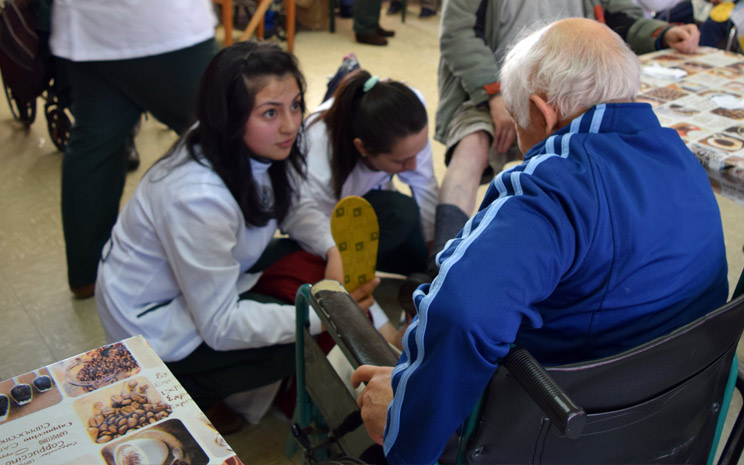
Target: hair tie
<point>370,83</point>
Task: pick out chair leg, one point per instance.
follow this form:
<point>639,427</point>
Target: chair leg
<point>291,24</point>
<point>255,19</point>
<point>403,12</point>
<point>332,14</point>
<point>227,21</point>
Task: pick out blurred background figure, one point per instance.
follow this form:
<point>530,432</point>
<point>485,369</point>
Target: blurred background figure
<point>122,59</point>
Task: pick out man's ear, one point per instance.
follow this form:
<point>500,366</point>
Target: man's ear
<point>547,116</point>
<point>359,145</point>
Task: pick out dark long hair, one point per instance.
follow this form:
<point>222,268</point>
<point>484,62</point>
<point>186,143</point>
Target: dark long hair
<point>379,117</point>
<point>226,96</point>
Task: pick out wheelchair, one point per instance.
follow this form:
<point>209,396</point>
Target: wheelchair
<point>28,70</point>
<point>664,401</point>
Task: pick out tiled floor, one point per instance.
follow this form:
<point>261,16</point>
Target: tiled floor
<point>41,323</point>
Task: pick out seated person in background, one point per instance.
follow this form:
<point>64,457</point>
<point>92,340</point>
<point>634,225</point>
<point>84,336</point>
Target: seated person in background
<point>712,33</point>
<point>657,8</point>
<point>606,236</point>
<point>175,267</point>
<point>357,141</point>
<point>471,118</point>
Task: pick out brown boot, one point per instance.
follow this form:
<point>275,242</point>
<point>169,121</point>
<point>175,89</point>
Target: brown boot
<point>83,292</point>
<point>385,32</point>
<point>371,39</point>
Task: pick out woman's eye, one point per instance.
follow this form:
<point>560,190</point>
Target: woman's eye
<point>270,113</point>
<point>296,106</point>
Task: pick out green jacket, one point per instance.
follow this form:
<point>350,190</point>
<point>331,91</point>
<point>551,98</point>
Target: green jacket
<point>467,60</point>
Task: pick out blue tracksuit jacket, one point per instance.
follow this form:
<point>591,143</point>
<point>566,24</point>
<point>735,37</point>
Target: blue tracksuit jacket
<point>607,236</point>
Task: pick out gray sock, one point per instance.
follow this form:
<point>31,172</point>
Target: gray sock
<point>449,221</point>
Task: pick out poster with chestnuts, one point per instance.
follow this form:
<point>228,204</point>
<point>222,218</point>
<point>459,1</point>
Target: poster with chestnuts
<point>114,405</point>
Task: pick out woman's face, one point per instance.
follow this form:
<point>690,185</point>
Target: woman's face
<point>402,156</point>
<point>275,119</point>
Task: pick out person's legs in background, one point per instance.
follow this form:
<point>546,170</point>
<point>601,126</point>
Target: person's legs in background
<point>681,13</point>
<point>367,23</point>
<point>714,34</point>
<point>166,85</point>
<point>107,101</point>
<point>428,8</point>
<point>93,169</point>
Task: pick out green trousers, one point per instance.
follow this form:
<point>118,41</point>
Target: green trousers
<point>401,248</point>
<point>366,16</point>
<point>108,99</point>
<point>209,375</point>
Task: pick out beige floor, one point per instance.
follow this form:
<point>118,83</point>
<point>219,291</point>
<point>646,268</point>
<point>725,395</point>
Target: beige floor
<point>41,323</point>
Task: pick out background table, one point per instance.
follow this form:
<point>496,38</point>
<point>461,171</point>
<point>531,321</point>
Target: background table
<point>706,107</point>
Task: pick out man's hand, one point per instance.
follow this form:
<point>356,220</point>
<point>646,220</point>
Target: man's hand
<point>375,398</point>
<point>504,133</point>
<point>683,38</point>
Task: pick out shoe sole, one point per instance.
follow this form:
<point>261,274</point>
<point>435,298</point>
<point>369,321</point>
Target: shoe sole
<point>356,232</point>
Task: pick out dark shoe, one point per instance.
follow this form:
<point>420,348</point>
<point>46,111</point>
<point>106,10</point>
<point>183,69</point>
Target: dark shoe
<point>83,292</point>
<point>224,420</point>
<point>371,39</point>
<point>346,12</point>
<point>394,7</point>
<point>426,13</point>
<point>384,32</point>
<point>405,293</point>
<point>487,175</point>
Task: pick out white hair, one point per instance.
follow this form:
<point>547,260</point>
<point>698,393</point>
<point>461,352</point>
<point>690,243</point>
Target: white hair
<point>571,71</point>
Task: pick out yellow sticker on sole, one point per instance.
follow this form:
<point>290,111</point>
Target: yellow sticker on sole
<point>356,232</point>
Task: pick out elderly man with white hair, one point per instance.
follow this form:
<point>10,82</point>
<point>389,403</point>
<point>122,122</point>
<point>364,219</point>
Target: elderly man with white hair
<point>605,237</point>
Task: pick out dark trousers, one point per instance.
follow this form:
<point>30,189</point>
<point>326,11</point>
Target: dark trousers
<point>401,248</point>
<point>108,98</point>
<point>366,16</point>
<point>209,375</point>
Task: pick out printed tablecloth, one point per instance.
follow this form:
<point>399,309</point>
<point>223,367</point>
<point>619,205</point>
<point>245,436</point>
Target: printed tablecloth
<point>702,97</point>
<point>115,405</point>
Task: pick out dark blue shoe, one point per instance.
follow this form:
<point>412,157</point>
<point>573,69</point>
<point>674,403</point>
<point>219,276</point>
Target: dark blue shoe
<point>394,7</point>
<point>345,11</point>
<point>427,13</point>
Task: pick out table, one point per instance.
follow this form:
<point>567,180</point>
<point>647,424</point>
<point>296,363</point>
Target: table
<point>116,404</point>
<point>704,102</point>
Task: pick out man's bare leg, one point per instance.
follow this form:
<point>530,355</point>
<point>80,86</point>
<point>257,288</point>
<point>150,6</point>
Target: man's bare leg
<point>462,179</point>
<point>459,189</point>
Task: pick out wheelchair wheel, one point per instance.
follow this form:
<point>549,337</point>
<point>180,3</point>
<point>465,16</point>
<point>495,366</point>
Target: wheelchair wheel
<point>58,125</point>
<point>25,113</point>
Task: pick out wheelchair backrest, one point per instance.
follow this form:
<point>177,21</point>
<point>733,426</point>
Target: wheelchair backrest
<point>656,403</point>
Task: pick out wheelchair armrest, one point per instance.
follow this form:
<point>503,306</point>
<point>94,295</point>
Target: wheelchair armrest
<point>568,417</point>
<point>349,326</point>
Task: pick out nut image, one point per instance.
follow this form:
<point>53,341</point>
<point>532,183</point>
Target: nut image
<point>130,410</point>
